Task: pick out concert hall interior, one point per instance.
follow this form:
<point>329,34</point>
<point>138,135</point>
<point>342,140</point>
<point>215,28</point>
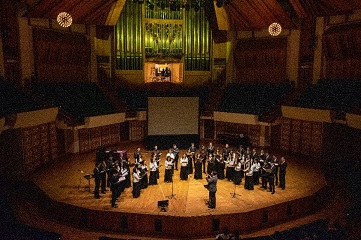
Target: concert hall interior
<point>89,88</point>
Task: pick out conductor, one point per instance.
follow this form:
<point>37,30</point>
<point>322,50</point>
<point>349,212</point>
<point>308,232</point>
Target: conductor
<point>212,188</point>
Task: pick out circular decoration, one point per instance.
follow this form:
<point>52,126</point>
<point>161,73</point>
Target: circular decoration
<point>275,29</point>
<point>64,19</point>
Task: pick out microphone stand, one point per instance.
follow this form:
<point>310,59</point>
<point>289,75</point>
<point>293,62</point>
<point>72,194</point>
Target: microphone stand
<point>173,195</point>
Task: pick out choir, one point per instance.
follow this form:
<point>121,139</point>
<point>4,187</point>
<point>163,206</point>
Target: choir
<point>112,168</point>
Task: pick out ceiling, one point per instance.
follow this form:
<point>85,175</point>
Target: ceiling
<point>233,15</point>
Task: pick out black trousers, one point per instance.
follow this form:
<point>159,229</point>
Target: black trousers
<point>212,199</point>
<point>272,184</point>
<point>283,180</point>
<point>97,186</point>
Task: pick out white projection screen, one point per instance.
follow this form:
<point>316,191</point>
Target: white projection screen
<point>173,115</point>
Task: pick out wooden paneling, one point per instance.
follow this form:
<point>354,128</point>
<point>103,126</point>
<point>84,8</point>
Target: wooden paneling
<point>301,137</point>
<point>137,130</point>
<point>61,56</point>
<point>40,145</point>
<point>261,60</point>
<point>94,138</point>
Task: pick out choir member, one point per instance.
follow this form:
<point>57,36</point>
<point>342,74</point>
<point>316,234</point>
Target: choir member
<point>153,171</point>
<point>282,171</point>
<point>230,167</point>
<point>136,182</point>
<point>144,175</point>
<point>265,174</point>
<point>249,177</point>
<point>193,150</point>
<point>176,156</point>
<point>190,156</point>
<point>220,164</point>
<point>136,154</point>
<point>168,170</point>
<point>271,178</point>
<point>156,152</point>
<point>210,164</point>
<point>255,167</point>
<point>238,173</point>
<point>184,167</point>
<point>275,161</point>
<point>198,166</point>
<point>203,153</point>
<point>114,187</point>
<point>210,149</point>
<point>97,179</point>
<point>226,151</point>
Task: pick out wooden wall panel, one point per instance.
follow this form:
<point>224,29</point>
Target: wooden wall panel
<point>95,138</point>
<point>301,137</point>
<point>105,140</point>
<point>254,134</point>
<point>84,140</point>
<point>61,56</point>
<point>114,134</point>
<point>40,145</point>
<point>261,60</point>
<point>137,130</point>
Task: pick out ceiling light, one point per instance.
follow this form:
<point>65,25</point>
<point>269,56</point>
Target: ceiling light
<point>275,29</point>
<point>64,19</point>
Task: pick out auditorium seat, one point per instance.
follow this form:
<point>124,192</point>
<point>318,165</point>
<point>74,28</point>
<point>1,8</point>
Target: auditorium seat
<point>339,95</point>
<point>13,100</point>
<point>78,99</point>
<point>256,99</point>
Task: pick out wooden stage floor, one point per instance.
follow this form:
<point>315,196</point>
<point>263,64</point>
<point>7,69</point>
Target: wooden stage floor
<point>64,182</point>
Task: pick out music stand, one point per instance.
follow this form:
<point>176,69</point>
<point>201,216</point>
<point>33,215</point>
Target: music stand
<point>88,177</point>
<point>173,195</point>
<point>163,205</point>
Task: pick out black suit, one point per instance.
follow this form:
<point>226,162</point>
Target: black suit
<point>282,171</point>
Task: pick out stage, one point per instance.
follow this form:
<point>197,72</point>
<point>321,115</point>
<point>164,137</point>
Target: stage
<point>187,215</point>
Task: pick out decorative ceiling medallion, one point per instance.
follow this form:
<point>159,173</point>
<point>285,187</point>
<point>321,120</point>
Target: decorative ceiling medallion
<point>275,29</point>
<point>64,19</point>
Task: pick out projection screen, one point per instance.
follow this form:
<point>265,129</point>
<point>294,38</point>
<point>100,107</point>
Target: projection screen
<point>173,115</point>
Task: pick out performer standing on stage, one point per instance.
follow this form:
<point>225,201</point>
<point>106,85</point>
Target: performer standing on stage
<point>144,174</point>
<point>238,172</point>
<point>190,157</point>
<point>249,177</point>
<point>275,161</point>
<point>255,167</point>
<point>192,149</point>
<point>137,154</point>
<point>226,151</point>
<point>153,171</point>
<point>282,170</point>
<point>210,149</point>
<point>168,170</point>
<point>211,165</point>
<point>97,179</point>
<point>271,178</point>
<point>203,153</point>
<point>198,167</point>
<point>230,167</point>
<point>176,156</point>
<point>184,167</point>
<point>212,188</point>
<point>136,182</point>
